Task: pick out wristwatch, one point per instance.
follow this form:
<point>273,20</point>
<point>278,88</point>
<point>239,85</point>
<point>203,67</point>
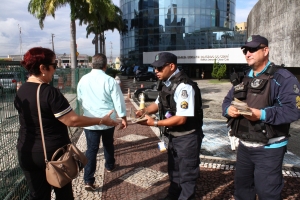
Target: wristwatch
<point>155,123</point>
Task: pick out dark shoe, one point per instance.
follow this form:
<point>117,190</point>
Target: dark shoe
<point>90,187</point>
<point>111,169</point>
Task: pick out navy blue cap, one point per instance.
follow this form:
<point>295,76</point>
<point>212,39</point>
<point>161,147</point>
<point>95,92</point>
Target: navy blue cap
<point>162,58</point>
<point>254,41</point>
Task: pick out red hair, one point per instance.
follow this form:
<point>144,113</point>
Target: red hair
<point>36,56</point>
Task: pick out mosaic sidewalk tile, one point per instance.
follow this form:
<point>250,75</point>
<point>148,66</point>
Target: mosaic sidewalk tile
<point>143,177</point>
<point>133,138</point>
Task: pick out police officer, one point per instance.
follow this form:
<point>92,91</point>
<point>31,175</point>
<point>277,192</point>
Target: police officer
<point>272,95</point>
<point>180,109</point>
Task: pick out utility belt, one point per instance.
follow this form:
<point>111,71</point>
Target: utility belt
<point>169,131</point>
<point>175,131</point>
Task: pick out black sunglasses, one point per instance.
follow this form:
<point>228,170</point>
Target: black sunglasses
<point>159,69</point>
<point>252,50</point>
<point>53,64</point>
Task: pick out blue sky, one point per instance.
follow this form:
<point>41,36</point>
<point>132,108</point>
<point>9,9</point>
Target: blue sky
<point>14,16</point>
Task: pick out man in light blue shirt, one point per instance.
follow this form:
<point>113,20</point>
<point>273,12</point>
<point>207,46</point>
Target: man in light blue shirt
<point>98,94</point>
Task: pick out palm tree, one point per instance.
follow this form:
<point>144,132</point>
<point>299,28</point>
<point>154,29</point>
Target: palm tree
<point>42,8</point>
<point>116,23</point>
<point>99,23</point>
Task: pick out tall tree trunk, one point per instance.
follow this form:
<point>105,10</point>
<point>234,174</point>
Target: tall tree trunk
<point>100,41</point>
<point>73,47</point>
<point>104,49</point>
<point>96,44</point>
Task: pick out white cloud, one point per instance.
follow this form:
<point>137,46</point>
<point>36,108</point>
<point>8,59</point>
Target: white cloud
<point>16,12</point>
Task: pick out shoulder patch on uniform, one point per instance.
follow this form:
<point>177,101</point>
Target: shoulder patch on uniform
<point>184,94</point>
<point>298,102</point>
<point>184,105</point>
<point>296,89</point>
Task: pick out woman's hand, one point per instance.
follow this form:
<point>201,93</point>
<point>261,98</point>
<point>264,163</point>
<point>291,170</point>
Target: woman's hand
<point>74,120</point>
<point>106,120</point>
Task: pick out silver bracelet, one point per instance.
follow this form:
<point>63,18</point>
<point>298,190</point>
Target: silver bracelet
<point>155,123</point>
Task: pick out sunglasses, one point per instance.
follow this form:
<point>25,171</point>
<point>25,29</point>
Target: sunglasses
<point>159,69</point>
<point>53,64</point>
<point>251,50</point>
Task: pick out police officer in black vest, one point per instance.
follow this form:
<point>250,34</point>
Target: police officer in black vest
<point>272,95</point>
<point>180,109</point>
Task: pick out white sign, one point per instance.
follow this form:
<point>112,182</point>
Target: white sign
<point>201,56</point>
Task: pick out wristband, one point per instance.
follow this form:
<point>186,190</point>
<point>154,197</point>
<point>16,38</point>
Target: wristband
<point>100,121</point>
<point>155,123</point>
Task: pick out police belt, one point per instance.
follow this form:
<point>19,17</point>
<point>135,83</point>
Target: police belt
<point>167,132</point>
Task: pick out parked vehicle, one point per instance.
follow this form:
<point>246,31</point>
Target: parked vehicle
<point>8,80</point>
<point>150,92</point>
<point>145,76</point>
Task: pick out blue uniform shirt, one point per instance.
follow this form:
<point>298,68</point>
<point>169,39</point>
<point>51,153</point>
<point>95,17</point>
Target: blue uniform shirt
<point>98,94</point>
<point>285,95</point>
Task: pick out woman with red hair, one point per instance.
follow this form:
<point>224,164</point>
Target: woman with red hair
<point>56,113</point>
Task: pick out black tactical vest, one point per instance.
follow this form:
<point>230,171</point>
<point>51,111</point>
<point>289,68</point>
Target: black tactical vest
<point>167,104</point>
<point>256,93</point>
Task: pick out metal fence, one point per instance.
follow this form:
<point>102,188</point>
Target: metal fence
<point>12,75</point>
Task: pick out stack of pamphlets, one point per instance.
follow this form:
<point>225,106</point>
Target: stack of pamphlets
<point>242,107</point>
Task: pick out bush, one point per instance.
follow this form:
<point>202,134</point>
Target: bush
<point>222,71</point>
<point>219,71</point>
<point>215,70</point>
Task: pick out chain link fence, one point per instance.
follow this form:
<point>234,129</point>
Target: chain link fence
<point>12,75</point>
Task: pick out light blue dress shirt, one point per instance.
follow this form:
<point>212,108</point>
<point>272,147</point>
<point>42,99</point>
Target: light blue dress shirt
<point>98,94</point>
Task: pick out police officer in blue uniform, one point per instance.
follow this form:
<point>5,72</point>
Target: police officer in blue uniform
<point>180,109</point>
<point>272,95</point>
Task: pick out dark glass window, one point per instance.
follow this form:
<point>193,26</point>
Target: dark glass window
<point>161,25</point>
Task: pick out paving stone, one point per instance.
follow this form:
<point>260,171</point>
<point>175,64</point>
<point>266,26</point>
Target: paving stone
<point>143,177</point>
<point>133,138</point>
<point>142,170</point>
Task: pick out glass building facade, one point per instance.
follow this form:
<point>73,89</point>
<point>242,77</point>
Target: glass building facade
<point>168,25</point>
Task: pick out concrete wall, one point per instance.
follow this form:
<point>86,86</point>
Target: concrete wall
<point>279,22</point>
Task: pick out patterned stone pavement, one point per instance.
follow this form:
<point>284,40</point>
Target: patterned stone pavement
<point>141,172</point>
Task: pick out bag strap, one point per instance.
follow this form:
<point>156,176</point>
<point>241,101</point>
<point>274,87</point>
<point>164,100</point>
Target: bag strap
<point>40,120</point>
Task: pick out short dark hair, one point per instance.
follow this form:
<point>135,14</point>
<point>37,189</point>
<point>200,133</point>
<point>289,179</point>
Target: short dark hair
<point>99,61</point>
<point>36,56</point>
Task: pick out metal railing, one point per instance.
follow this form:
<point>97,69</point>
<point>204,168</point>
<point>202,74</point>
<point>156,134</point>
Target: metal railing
<point>12,182</point>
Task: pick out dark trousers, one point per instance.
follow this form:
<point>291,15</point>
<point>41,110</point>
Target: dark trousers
<point>33,166</point>
<point>183,165</point>
<point>93,140</point>
<point>258,171</point>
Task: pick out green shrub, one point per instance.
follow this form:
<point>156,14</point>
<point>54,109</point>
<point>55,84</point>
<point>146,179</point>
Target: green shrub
<point>215,69</point>
<point>219,70</point>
